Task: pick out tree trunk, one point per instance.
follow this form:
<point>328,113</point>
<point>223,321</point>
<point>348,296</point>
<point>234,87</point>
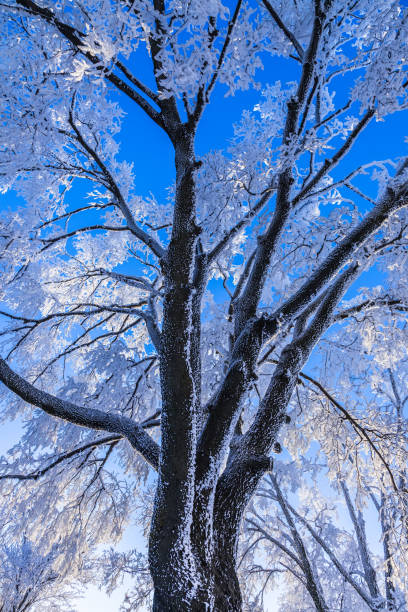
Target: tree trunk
<point>211,589</point>
<point>218,591</point>
<point>179,585</point>
<point>226,584</point>
<point>199,575</point>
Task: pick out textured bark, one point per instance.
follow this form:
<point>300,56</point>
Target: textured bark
<point>170,534</point>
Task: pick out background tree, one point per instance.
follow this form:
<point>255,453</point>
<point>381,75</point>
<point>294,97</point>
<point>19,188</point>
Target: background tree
<point>346,549</point>
<point>116,304</point>
<point>28,578</point>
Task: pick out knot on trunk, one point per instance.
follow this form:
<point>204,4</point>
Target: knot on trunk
<point>259,463</point>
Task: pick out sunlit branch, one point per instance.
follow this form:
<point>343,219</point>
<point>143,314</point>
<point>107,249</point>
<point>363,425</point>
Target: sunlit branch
<point>289,35</point>
<point>76,39</point>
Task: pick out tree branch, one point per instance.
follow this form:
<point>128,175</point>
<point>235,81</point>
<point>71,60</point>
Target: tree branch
<point>354,423</point>
<point>84,417</point>
<point>392,201</point>
<point>75,37</point>
<point>359,529</point>
<point>312,582</point>
<point>346,575</point>
<point>329,164</point>
<point>277,543</point>
<point>246,219</point>
<point>289,35</point>
<point>50,241</point>
<point>133,227</point>
<point>63,457</point>
<point>248,302</point>
<point>271,413</point>
<point>389,302</point>
<point>221,58</point>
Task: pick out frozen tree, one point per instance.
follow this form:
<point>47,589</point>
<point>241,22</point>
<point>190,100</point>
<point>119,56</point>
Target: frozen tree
<point>323,565</point>
<point>146,334</point>
<point>312,533</point>
<point>28,578</point>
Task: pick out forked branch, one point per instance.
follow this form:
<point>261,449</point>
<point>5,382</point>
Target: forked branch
<point>76,39</point>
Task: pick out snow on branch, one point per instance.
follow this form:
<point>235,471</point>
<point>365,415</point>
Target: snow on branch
<point>82,416</point>
<point>76,38</point>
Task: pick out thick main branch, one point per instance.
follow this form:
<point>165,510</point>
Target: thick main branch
<point>80,415</point>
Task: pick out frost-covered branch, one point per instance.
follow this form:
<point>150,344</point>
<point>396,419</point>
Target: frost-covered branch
<point>271,412</point>
<point>359,528</point>
<point>82,416</point>
<point>274,541</point>
<point>76,38</point>
<point>372,604</point>
<point>204,96</point>
<point>390,203</point>
<point>133,227</point>
<point>312,584</point>
<point>242,223</point>
<point>290,36</point>
<point>360,429</point>
<point>50,241</point>
<point>246,309</point>
<point>63,457</point>
<point>368,305</point>
<point>332,162</point>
